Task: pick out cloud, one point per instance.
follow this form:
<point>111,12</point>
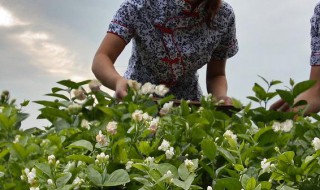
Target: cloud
<point>8,20</point>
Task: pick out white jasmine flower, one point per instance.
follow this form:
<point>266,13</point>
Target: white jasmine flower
<point>316,143</point>
<point>148,88</point>
<point>77,181</point>
<point>134,84</point>
<point>112,127</point>
<point>70,166</point>
<point>137,115</point>
<point>51,159</point>
<point>161,90</point>
<point>200,109</point>
<point>209,188</point>
<point>189,165</point>
<point>85,124</point>
<point>50,182</point>
<point>146,117</point>
<point>34,188</point>
<point>166,108</point>
<point>149,160</point>
<point>94,85</point>
<point>102,157</point>
<point>170,153</point>
<point>220,102</point>
<point>79,94</point>
<point>266,166</point>
<point>16,139</point>
<point>154,124</point>
<point>276,126</point>
<point>287,125</point>
<point>229,134</point>
<point>165,145</point>
<point>129,165</point>
<point>32,176</point>
<point>101,139</point>
<point>168,174</point>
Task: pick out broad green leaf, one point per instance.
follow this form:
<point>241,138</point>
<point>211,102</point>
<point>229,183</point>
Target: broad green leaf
<point>286,96</point>
<point>45,168</point>
<point>94,176</point>
<point>144,181</point>
<point>302,86</point>
<point>81,144</point>
<point>228,183</point>
<point>251,184</point>
<point>118,177</point>
<point>58,96</point>
<point>260,92</point>
<point>144,147</point>
<point>63,179</point>
<point>82,158</point>
<point>227,155</point>
<point>209,149</point>
<point>165,167</point>
<point>20,151</point>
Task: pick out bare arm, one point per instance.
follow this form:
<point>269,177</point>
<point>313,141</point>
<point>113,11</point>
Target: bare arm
<point>217,81</point>
<point>103,64</point>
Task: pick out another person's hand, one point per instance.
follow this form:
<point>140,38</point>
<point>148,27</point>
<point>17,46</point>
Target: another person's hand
<point>313,103</point>
<point>121,88</point>
<point>226,100</point>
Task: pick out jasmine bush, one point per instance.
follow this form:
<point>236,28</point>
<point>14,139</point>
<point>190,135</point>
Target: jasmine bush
<point>142,142</point>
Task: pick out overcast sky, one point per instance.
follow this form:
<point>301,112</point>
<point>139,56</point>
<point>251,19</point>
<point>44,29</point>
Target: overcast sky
<point>44,41</point>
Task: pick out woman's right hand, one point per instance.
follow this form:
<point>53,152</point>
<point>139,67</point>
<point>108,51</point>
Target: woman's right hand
<point>121,88</point>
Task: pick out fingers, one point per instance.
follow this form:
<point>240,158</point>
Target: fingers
<point>121,89</point>
<point>278,104</point>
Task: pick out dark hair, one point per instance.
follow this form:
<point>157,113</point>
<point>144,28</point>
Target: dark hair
<point>211,7</point>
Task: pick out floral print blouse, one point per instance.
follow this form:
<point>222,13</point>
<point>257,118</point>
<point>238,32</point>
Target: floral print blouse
<point>170,43</point>
<point>315,37</point>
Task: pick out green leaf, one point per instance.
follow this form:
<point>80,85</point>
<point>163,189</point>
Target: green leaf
<point>209,149</point>
<point>228,183</point>
<point>275,82</point>
<point>260,92</point>
<point>20,150</point>
<point>302,86</point>
<point>82,158</point>
<point>58,96</point>
<point>291,82</point>
<point>227,155</point>
<point>94,176</point>
<point>253,98</point>
<point>63,179</point>
<point>251,184</point>
<point>144,148</point>
<point>81,144</point>
<point>286,96</point>
<point>165,167</point>
<point>118,177</point>
<point>45,168</point>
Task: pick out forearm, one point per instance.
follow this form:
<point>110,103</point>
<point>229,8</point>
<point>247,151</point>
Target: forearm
<point>105,71</point>
<point>217,86</point>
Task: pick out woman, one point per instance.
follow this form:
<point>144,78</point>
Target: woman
<point>312,96</point>
<point>171,40</point>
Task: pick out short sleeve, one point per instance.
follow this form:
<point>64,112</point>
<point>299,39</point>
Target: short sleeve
<point>315,37</point>
<point>228,45</point>
<point>123,21</point>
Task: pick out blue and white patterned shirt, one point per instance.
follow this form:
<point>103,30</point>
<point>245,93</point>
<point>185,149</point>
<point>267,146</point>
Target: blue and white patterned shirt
<point>170,43</point>
<point>315,37</point>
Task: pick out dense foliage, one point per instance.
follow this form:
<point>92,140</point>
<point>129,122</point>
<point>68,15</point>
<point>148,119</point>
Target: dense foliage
<point>96,142</point>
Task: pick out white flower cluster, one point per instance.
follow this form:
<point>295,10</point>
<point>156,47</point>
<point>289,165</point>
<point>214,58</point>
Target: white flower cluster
<point>266,166</point>
<point>112,127</point>
<point>166,108</point>
<point>16,139</point>
<point>85,124</point>
<point>149,160</point>
<point>102,158</point>
<point>316,143</point>
<point>77,182</point>
<point>165,146</point>
<point>229,134</point>
<point>285,126</point>
<point>51,159</point>
<point>30,177</point>
<point>94,85</point>
<point>148,88</point>
<point>102,139</point>
<point>138,115</point>
<point>154,124</point>
<point>129,165</point>
<point>189,165</point>
<point>209,188</point>
<point>79,94</point>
